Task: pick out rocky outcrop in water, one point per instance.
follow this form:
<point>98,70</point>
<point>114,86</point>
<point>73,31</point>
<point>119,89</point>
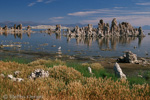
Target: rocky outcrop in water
<point>5,28</point>
<point>58,28</point>
<point>16,29</point>
<point>19,27</point>
<point>28,28</point>
<point>104,30</point>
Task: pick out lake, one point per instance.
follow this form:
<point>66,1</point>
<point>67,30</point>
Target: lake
<point>43,43</point>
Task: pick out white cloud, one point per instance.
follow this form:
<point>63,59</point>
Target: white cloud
<point>56,19</point>
<point>39,1</point>
<point>49,1</point>
<point>132,19</point>
<point>144,4</point>
<point>97,11</point>
<point>109,12</point>
<point>82,13</point>
<point>119,7</point>
<point>31,4</point>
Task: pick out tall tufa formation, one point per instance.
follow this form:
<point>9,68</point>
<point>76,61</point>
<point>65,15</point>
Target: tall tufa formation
<point>114,27</point>
<point>104,29</point>
<point>140,31</point>
<point>101,25</point>
<point>58,28</point>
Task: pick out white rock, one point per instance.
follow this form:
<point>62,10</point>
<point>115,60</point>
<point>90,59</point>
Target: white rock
<point>118,71</point>
<point>2,75</point>
<point>90,70</point>
<point>39,73</point>
<point>13,79</point>
<point>59,48</point>
<point>19,79</point>
<point>16,73</point>
<point>10,76</point>
<point>140,76</point>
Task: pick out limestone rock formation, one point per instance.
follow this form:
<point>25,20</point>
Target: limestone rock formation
<point>99,32</point>
<point>114,27</point>
<point>15,79</point>
<point>16,73</point>
<point>0,28</point>
<point>90,70</point>
<point>5,28</point>
<point>129,57</point>
<point>118,71</point>
<point>101,25</point>
<point>19,27</point>
<point>2,75</point>
<point>104,30</point>
<point>39,73</point>
<point>140,31</point>
<point>58,28</point>
<point>28,28</point>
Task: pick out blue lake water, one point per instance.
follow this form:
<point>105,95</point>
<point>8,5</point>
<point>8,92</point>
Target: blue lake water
<point>105,47</point>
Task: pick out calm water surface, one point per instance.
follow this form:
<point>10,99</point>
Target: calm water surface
<point>105,47</point>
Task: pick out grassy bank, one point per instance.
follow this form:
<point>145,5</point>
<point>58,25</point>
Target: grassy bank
<point>68,80</point>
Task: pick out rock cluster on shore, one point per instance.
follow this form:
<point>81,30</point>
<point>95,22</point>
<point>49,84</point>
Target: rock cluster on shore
<point>130,57</point>
<point>104,29</point>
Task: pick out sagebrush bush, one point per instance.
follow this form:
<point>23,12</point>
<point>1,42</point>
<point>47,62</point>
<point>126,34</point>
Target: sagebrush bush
<point>66,83</point>
<point>96,66</point>
<point>65,73</point>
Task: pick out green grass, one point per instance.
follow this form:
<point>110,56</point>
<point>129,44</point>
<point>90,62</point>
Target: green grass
<point>96,73</point>
<point>136,80</point>
<point>79,67</point>
<point>147,75</point>
<point>18,60</point>
<point>84,70</point>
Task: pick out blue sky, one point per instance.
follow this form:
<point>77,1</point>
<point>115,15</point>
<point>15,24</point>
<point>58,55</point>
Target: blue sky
<point>137,12</point>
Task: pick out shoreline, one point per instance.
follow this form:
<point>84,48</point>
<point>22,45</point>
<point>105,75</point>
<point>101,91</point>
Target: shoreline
<point>108,62</point>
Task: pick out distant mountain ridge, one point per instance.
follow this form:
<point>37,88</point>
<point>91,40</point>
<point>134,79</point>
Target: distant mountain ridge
<point>26,23</point>
<point>146,27</point>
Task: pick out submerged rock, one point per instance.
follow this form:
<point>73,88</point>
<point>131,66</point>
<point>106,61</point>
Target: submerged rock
<point>53,46</point>
<point>118,71</point>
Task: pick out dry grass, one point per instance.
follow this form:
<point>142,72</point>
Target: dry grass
<point>67,84</point>
<point>64,73</point>
<point>95,66</point>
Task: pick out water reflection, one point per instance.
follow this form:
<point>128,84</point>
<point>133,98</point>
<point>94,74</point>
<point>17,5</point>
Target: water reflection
<point>104,43</point>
